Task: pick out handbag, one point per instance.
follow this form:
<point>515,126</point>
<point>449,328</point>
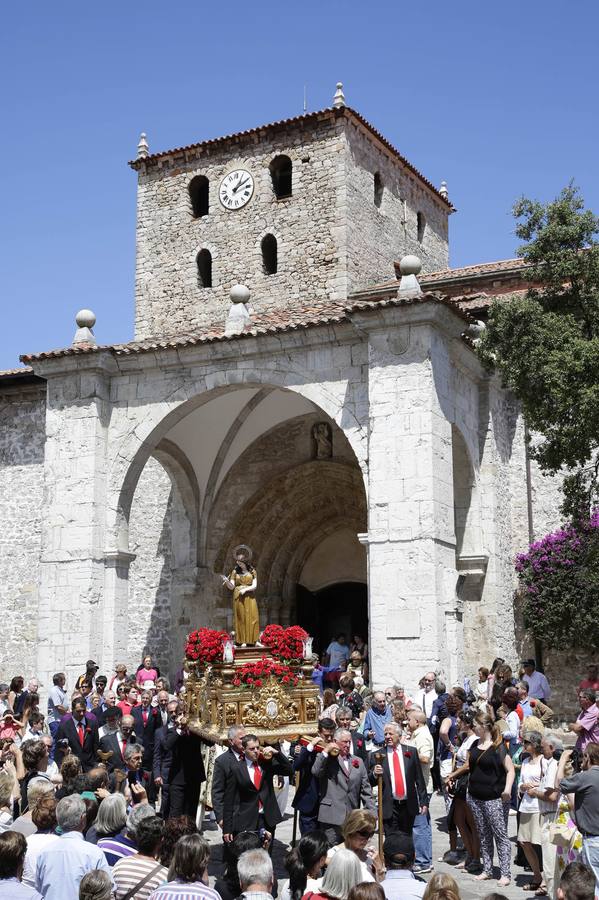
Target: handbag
<point>136,887</point>
<point>560,834</point>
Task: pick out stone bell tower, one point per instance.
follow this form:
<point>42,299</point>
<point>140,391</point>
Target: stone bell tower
<point>302,211</point>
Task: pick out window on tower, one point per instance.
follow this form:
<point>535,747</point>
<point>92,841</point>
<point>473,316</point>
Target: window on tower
<point>420,226</point>
<point>378,189</point>
<point>281,172</point>
<point>270,260</point>
<point>204,264</point>
<point>199,196</point>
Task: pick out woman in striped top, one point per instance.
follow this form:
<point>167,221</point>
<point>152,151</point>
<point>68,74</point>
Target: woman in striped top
<point>188,874</point>
<point>140,874</point>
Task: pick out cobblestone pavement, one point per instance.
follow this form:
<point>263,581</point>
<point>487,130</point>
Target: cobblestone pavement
<point>469,888</point>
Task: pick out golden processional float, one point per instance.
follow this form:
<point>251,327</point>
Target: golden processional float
<point>263,681</point>
<point>273,696</point>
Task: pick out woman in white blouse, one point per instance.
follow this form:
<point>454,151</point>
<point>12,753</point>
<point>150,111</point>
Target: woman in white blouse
<point>529,829</point>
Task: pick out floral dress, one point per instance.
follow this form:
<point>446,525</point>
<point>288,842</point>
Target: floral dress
<point>565,855</point>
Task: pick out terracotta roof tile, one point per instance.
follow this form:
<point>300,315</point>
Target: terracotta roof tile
<point>509,268</point>
<point>273,322</point>
<point>11,373</point>
<point>319,115</point>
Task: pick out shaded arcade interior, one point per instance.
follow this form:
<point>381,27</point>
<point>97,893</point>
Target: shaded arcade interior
<point>260,466</point>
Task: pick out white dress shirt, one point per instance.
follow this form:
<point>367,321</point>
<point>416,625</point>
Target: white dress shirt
<point>425,700</point>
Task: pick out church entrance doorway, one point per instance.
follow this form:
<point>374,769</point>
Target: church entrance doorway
<point>338,607</point>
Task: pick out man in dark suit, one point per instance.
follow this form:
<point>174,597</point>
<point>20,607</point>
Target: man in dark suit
<point>223,766</point>
<point>343,785</point>
<point>147,722</point>
<point>81,734</point>
<point>250,802</point>
<point>116,742</point>
<point>186,771</point>
<point>404,791</point>
<point>163,757</point>
<point>306,797</point>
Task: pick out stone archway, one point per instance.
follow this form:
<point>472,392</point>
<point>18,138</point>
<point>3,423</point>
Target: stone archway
<point>244,467</point>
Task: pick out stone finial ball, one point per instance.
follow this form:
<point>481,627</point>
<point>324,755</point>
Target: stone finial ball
<point>410,265</point>
<point>240,293</point>
<point>85,318</point>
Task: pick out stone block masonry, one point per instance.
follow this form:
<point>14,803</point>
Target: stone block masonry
<point>22,440</point>
<point>331,235</point>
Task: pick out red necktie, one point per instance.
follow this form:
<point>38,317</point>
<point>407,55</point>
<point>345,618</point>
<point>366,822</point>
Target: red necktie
<point>400,790</point>
<point>123,745</point>
<point>81,733</point>
<point>257,782</point>
<point>144,713</point>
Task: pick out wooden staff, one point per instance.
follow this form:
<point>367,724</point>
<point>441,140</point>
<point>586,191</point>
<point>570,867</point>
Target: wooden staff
<point>379,780</point>
<point>295,813</point>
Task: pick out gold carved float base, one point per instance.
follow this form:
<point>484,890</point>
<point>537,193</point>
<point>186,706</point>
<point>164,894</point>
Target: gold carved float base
<point>273,712</point>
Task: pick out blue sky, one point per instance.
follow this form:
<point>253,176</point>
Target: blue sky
<point>497,99</point>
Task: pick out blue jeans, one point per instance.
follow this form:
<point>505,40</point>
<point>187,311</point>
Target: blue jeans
<point>590,857</point>
<point>53,726</point>
<point>422,835</point>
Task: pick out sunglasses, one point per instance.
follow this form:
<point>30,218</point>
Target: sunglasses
<point>366,834</point>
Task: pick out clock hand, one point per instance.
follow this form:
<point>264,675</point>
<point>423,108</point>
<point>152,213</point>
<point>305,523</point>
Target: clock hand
<point>241,184</point>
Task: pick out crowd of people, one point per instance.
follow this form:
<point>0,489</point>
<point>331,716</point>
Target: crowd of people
<point>106,795</point>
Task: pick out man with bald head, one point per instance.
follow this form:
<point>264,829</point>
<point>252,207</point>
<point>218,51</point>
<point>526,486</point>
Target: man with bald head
<point>116,742</point>
<point>426,696</point>
<point>376,718</point>
<point>162,698</point>
<point>420,737</point>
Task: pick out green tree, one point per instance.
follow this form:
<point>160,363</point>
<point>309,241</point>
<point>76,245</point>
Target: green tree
<point>545,343</point>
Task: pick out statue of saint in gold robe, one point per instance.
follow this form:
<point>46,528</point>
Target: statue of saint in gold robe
<point>243,582</point>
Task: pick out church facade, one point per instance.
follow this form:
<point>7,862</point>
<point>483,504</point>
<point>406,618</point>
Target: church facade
<point>345,430</point>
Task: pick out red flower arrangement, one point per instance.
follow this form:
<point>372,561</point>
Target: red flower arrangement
<point>206,645</point>
<point>284,643</point>
<point>254,674</point>
<point>355,763</point>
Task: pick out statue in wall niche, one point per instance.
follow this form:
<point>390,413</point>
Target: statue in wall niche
<point>323,440</point>
<point>243,582</point>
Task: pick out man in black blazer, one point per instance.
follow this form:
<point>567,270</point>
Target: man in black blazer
<point>404,791</point>
<point>163,757</point>
<point>250,802</point>
<point>306,799</point>
<point>147,722</point>
<point>81,735</point>
<point>186,772</point>
<point>116,742</point>
<point>223,766</point>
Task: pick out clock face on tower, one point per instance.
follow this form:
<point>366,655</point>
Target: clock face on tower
<point>236,189</point>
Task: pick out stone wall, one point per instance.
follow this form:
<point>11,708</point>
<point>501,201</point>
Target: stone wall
<point>22,439</point>
<point>378,235</point>
<point>149,604</point>
<point>331,236</point>
<point>168,299</point>
<point>162,577</point>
